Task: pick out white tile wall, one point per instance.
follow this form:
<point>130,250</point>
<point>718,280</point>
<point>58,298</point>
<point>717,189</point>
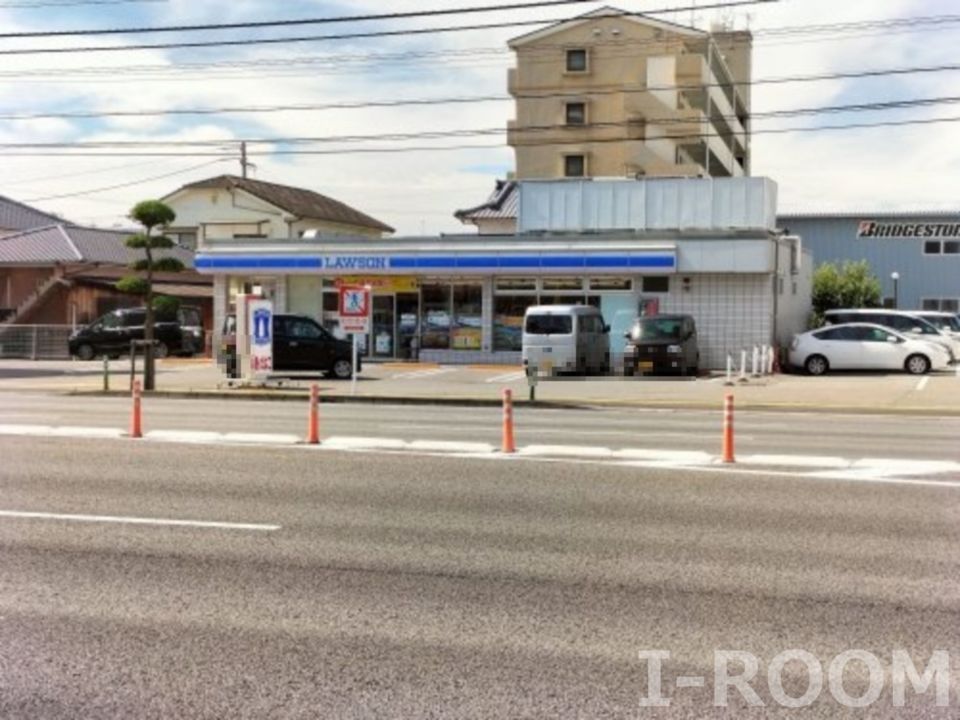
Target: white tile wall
<point>732,312</point>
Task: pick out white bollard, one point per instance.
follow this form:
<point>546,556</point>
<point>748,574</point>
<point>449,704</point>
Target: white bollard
<point>755,362</point>
<point>770,360</point>
<point>764,354</point>
<point>743,366</point>
<point>729,380</point>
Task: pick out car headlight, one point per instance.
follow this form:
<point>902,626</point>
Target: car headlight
<point>674,349</point>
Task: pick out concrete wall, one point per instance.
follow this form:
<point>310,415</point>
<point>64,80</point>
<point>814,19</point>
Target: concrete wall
<point>624,58</point>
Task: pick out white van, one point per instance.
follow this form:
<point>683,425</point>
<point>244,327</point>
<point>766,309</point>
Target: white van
<point>565,338</point>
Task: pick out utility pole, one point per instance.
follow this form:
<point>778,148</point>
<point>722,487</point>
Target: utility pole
<point>243,159</point>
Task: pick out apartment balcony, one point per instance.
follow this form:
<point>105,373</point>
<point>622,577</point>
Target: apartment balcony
<point>694,72</point>
<point>683,121</point>
<point>643,160</point>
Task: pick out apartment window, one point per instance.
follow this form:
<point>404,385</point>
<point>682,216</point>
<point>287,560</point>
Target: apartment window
<point>576,60</point>
<point>656,284</point>
<point>932,247</point>
<point>574,165</point>
<point>951,247</point>
<point>576,113</point>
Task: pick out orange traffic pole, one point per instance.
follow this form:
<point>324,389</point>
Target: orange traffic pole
<point>509,446</point>
<point>136,427</point>
<point>313,419</point>
<point>728,429</point>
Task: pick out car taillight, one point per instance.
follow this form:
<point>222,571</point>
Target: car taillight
<point>795,342</point>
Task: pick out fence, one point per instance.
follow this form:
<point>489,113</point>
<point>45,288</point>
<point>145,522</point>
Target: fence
<point>35,342</point>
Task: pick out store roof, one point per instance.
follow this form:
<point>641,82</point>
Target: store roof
<point>17,216</point>
<point>297,201</point>
<point>71,244</point>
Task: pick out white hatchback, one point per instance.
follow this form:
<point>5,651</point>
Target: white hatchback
<point>864,346</point>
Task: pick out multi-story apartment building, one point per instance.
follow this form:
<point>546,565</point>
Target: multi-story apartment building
<point>612,94</point>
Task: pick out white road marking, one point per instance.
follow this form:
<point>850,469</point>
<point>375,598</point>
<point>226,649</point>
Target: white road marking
<point>885,470</point>
<point>123,520</point>
<point>423,374</point>
<point>506,378</point>
<point>922,383</point>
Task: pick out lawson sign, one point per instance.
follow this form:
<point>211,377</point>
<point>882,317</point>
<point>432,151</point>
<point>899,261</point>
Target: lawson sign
<point>653,261</point>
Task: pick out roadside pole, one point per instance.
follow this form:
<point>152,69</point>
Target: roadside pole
<point>106,373</point>
<point>353,372</point>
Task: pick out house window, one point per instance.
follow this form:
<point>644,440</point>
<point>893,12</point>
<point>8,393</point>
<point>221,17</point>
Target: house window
<point>576,113</point>
<point>932,247</point>
<point>656,284</point>
<point>576,60</point>
<point>574,165</point>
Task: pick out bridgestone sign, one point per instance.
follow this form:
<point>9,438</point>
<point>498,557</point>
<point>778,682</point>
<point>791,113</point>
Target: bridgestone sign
<point>872,229</point>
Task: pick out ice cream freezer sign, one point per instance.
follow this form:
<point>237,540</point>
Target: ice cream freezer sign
<point>261,336</point>
<point>355,309</point>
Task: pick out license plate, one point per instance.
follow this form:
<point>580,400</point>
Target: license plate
<point>646,365</point>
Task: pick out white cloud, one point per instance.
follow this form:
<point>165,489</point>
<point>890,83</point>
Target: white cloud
<point>418,192</point>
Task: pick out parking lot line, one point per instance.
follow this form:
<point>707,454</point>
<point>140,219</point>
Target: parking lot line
<point>505,378</point>
<point>922,384</point>
<point>124,520</point>
<point>423,374</point>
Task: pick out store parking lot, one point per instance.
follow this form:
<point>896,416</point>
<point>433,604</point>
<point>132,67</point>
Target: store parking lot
<point>875,392</point>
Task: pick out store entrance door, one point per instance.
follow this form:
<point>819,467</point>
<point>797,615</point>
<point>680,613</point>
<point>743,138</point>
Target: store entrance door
<point>408,325</point>
<point>383,336</point>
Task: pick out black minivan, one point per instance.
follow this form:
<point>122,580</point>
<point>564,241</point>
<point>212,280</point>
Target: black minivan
<point>300,345</point>
<point>111,334</point>
<point>662,343</point>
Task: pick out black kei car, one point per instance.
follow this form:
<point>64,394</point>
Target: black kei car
<point>300,345</point>
<point>111,334</point>
<point>662,344</point>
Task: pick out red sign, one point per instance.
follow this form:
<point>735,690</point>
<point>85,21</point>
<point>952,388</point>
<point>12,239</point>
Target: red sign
<point>355,309</point>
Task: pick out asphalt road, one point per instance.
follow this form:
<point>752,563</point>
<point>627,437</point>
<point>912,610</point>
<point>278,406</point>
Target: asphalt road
<point>882,436</point>
<point>392,586</point>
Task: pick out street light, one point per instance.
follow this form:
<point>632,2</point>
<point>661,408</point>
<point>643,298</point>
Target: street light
<point>895,276</point>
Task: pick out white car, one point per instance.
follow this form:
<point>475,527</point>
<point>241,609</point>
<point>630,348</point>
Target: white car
<point>864,346</point>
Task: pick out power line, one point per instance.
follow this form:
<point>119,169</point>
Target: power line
<point>458,100</point>
<point>427,148</point>
<point>126,184</point>
<point>356,36</point>
<point>69,3</point>
<point>470,10</point>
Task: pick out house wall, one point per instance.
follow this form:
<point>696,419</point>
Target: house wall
<point>224,214</point>
<point>19,283</point>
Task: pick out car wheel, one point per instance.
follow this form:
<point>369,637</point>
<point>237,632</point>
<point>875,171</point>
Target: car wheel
<point>160,350</point>
<point>918,365</point>
<point>85,352</point>
<point>816,365</point>
<point>342,369</point>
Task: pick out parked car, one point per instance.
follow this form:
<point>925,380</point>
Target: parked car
<point>111,334</point>
<point>945,322</point>
<point>662,343</point>
<point>864,346</point>
<point>565,338</point>
<point>300,345</point>
<point>904,322</point>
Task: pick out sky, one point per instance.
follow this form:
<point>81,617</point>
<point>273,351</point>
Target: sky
<point>893,168</point>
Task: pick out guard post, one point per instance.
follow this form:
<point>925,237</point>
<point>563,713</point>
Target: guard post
<point>533,377</point>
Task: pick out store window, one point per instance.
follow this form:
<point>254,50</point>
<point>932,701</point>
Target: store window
<point>611,284</point>
<point>656,284</point>
<point>932,247</point>
<point>508,312</point>
<point>516,284</point>
<point>436,317</point>
<point>467,328</point>
<point>566,284</point>
<point>951,247</point>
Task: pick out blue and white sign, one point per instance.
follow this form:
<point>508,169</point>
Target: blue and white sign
<point>260,324</point>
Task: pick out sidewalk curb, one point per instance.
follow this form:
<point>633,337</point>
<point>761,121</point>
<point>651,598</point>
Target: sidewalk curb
<point>568,404</point>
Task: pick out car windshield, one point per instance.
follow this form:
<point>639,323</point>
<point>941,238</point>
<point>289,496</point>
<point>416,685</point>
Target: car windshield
<point>549,324</point>
<point>658,329</point>
<point>944,322</point>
